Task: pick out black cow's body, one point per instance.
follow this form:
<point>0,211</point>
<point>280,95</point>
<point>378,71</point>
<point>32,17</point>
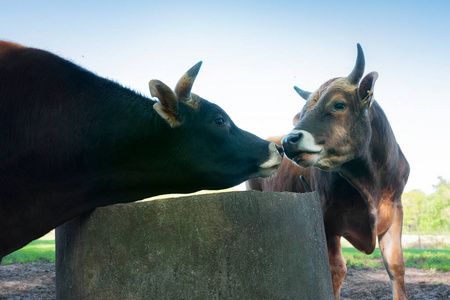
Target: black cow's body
<point>71,141</point>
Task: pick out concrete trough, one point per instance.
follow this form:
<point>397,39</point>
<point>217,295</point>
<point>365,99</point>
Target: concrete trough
<point>236,245</point>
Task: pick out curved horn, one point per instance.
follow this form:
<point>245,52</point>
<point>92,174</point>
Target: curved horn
<point>358,71</point>
<point>184,85</point>
<point>304,94</point>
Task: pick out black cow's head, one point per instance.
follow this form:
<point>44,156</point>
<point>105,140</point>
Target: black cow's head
<point>334,125</point>
<point>214,148</point>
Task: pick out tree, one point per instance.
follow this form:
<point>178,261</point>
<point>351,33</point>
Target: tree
<point>439,207</point>
<point>428,214</point>
<point>412,210</point>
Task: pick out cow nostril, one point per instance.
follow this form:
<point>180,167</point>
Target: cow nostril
<point>294,138</point>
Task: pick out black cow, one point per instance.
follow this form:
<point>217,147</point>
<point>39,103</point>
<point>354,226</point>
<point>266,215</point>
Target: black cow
<point>71,141</point>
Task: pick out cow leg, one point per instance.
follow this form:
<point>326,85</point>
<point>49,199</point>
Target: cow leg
<point>391,249</point>
<point>337,264</point>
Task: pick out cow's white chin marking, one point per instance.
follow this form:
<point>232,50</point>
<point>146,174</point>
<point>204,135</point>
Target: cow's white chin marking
<point>270,166</point>
<point>306,160</point>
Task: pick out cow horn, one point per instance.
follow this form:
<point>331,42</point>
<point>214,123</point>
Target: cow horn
<point>184,85</point>
<point>358,71</point>
<point>304,94</point>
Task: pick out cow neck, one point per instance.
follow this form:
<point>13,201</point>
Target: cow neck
<point>129,138</point>
<point>368,172</point>
<point>360,173</point>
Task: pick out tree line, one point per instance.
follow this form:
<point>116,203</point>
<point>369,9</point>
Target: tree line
<point>427,214</point>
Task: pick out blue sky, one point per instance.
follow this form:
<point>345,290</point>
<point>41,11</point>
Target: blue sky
<point>254,52</point>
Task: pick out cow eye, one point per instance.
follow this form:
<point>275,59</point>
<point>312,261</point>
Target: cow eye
<point>339,106</point>
<point>220,121</point>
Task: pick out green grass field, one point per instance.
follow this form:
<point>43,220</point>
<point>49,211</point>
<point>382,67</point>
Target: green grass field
<point>44,250</point>
<point>431,259</point>
<point>39,250</point>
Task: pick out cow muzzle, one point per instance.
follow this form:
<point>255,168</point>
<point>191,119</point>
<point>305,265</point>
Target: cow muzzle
<point>300,147</point>
<point>270,166</point>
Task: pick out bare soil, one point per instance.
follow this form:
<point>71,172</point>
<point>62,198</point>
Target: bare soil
<point>37,281</point>
<point>373,283</point>
<point>27,281</point>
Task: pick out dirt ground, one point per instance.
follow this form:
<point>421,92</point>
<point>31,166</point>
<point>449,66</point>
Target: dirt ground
<point>37,281</point>
<point>374,283</point>
<point>27,281</point>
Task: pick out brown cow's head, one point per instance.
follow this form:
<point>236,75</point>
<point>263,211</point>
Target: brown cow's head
<point>334,125</point>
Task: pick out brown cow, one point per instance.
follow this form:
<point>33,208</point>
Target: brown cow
<point>71,141</point>
<point>359,171</point>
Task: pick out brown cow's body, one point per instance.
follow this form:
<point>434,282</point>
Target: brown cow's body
<point>361,194</point>
<point>71,141</point>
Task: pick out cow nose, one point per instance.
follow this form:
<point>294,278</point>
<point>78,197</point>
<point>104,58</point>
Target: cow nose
<point>293,138</point>
<point>280,150</point>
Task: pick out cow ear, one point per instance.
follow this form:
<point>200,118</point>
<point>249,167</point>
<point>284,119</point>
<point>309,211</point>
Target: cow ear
<point>167,107</point>
<point>366,88</point>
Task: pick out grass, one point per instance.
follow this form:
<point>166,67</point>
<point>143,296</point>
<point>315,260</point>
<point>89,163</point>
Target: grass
<point>43,249</point>
<point>359,260</point>
<point>38,250</point>
<point>430,259</point>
